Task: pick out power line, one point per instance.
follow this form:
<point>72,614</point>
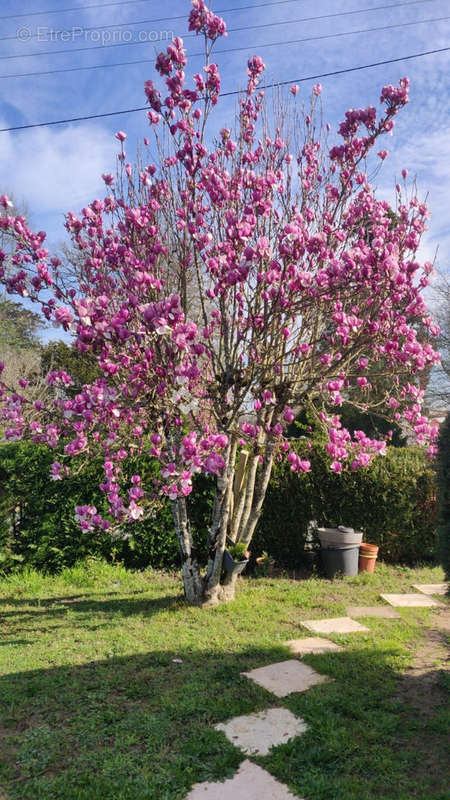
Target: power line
<point>72,8</point>
<point>224,51</point>
<point>120,3</point>
<point>229,94</point>
<point>183,17</point>
<point>104,47</point>
<point>160,19</point>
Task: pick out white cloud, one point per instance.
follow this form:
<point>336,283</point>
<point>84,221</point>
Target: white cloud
<point>56,170</point>
<point>426,155</point>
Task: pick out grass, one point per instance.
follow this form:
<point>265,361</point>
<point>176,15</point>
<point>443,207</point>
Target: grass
<point>95,705</point>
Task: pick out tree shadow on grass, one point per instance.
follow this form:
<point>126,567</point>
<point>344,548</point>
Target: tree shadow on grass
<point>44,602</point>
<point>124,606</point>
<point>91,614</point>
<point>141,728</point>
<point>8,642</point>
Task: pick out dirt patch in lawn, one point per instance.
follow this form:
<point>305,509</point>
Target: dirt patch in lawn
<point>8,752</point>
<point>425,703</point>
<point>421,684</point>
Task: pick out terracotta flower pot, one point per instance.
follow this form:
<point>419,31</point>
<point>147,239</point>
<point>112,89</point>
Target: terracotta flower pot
<point>367,557</point>
<point>265,565</point>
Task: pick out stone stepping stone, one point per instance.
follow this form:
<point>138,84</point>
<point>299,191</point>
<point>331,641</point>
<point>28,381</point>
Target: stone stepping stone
<point>286,677</point>
<point>250,782</point>
<point>312,644</point>
<point>410,600</point>
<point>431,588</point>
<point>334,625</point>
<point>256,733</point>
<point>373,611</point>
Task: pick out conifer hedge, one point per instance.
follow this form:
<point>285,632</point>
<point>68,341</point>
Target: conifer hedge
<point>443,476</point>
<point>393,501</point>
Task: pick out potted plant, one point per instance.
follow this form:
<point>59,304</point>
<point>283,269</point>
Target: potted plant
<point>235,557</point>
<point>264,565</point>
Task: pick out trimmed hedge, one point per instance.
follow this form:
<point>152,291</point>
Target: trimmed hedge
<point>37,524</point>
<point>393,501</point>
<point>443,473</point>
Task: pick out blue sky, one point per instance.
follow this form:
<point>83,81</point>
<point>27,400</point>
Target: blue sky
<point>57,169</point>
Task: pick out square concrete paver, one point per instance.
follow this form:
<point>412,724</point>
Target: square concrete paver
<point>410,600</point>
<point>286,677</point>
<point>334,625</point>
<point>312,644</point>
<point>373,611</point>
<point>256,733</point>
<point>431,588</point>
<point>249,783</point>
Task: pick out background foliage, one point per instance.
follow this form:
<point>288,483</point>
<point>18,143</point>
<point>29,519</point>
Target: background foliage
<point>393,501</point>
<point>443,469</point>
<point>19,327</point>
<point>37,523</point>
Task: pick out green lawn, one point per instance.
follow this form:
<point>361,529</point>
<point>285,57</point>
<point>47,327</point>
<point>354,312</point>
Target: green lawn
<point>94,707</point>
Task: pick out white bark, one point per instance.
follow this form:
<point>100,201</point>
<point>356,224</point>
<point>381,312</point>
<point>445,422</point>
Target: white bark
<point>237,522</point>
<point>220,521</point>
<point>192,580</point>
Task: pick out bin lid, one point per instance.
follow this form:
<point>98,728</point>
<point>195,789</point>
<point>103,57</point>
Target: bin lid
<point>339,529</point>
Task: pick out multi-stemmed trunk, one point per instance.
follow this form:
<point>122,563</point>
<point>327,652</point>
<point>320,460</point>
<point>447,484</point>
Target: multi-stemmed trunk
<point>237,506</point>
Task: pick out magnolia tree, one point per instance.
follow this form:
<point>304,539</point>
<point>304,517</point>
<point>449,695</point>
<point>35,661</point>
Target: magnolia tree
<point>222,287</point>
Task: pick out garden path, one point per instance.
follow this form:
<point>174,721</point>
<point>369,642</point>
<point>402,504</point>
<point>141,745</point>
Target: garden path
<point>256,734</point>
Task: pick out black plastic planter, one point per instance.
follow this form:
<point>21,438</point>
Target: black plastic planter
<point>230,565</point>
<point>342,560</point>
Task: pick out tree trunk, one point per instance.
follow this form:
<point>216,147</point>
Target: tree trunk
<point>246,532</point>
<point>219,530</point>
<point>221,592</point>
<point>192,579</point>
<point>232,516</point>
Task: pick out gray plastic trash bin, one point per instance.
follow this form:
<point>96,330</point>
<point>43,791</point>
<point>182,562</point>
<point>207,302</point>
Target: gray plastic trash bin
<point>342,560</point>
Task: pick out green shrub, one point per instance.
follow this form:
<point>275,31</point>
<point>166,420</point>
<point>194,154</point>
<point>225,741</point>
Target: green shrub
<point>443,474</point>
<point>283,526</point>
<point>37,516</point>
<point>393,501</point>
<point>237,551</point>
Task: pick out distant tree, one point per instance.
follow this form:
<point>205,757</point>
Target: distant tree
<point>19,326</point>
<point>81,366</point>
<point>438,388</point>
<point>23,376</point>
